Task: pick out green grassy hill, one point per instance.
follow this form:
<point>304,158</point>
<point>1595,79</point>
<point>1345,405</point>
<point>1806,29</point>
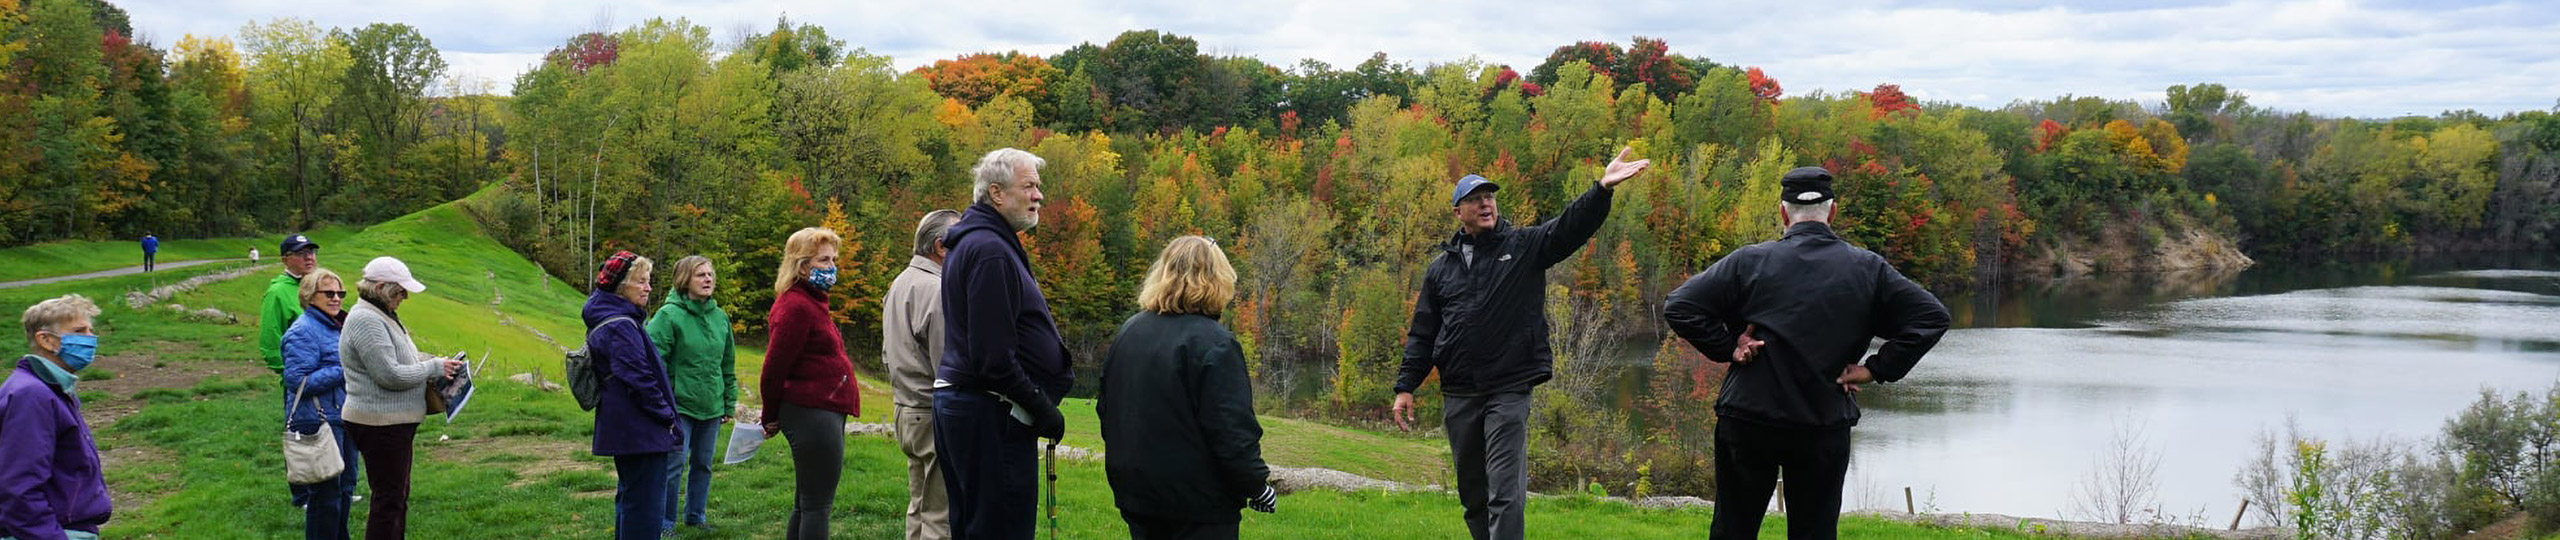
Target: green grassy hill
<point>188,417</point>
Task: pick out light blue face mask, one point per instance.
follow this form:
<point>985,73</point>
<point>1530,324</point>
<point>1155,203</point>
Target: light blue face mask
<point>824,278</point>
<point>78,350</point>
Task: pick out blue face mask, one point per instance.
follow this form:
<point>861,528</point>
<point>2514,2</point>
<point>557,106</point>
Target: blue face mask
<point>78,350</point>
<point>824,278</point>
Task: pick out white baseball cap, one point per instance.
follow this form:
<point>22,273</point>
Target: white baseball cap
<point>391,270</point>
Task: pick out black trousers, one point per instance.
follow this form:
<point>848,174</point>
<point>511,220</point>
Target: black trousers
<point>387,450</point>
<point>990,466</point>
<point>1489,448</point>
<point>1749,460</point>
<point>1147,528</point>
<point>817,463</point>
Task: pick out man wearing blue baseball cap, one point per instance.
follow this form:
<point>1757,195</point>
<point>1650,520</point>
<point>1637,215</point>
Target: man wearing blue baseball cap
<point>1481,321</point>
<point>1791,318</point>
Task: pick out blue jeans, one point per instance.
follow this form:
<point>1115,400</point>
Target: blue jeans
<point>639,496</point>
<point>325,505</point>
<point>695,449</point>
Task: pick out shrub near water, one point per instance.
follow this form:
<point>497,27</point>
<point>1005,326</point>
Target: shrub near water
<point>2498,458</point>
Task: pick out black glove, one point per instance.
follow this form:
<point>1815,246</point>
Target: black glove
<point>1267,502</point>
<point>1046,422</point>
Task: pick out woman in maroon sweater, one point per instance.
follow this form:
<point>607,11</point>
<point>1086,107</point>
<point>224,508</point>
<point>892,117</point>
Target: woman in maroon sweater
<point>808,384</point>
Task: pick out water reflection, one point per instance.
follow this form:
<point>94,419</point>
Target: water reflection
<point>2017,405</point>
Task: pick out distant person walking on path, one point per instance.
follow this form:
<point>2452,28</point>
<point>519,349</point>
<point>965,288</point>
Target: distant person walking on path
<point>1003,367</point>
<point>635,421</point>
<point>51,485</point>
<point>386,381</point>
<point>1792,317</point>
<point>150,252</point>
<point>315,391</point>
<point>808,384</point>
<point>282,305</point>
<point>692,336</point>
<point>911,346</point>
<point>1481,321</point>
<point>1177,405</point>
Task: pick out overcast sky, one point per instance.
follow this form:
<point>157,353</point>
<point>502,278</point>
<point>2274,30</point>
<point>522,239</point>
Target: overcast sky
<point>2332,57</point>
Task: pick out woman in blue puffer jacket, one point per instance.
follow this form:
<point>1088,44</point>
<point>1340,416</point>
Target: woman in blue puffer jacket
<point>311,370</point>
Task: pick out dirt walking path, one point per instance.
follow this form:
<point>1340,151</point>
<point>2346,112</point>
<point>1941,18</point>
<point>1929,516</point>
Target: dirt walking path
<point>108,273</point>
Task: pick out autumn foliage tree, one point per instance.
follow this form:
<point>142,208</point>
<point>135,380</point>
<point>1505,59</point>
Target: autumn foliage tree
<point>1887,100</point>
<point>976,78</point>
<point>1648,61</point>
<point>1763,86</point>
<point>586,51</point>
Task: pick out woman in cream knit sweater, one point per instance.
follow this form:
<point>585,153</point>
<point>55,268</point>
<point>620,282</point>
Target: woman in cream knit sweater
<point>386,390</point>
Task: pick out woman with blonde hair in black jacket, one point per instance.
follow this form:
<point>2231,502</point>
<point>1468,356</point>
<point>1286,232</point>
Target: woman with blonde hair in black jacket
<point>1177,405</point>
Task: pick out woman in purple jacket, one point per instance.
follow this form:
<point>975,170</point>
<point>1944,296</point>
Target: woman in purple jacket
<point>635,414</point>
<point>50,484</point>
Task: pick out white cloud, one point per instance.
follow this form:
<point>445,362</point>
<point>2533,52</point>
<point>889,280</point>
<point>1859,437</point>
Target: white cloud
<point>2350,57</point>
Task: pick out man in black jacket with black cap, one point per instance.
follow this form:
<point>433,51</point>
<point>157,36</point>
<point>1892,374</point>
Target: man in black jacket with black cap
<point>1792,317</point>
<point>1481,320</point>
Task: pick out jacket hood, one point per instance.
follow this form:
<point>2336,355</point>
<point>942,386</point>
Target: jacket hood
<point>603,305</point>
<point>980,217</point>
<point>696,306</point>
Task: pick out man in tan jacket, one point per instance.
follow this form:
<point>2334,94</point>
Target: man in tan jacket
<point>911,346</point>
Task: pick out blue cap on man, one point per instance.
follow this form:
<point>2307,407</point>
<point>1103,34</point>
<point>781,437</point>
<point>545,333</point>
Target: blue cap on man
<point>296,243</point>
<point>1469,185</point>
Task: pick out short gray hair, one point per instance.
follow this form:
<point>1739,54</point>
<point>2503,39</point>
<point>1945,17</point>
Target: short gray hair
<point>997,169</point>
<point>929,231</point>
<point>379,292</point>
<point>1820,211</point>
<point>50,314</point>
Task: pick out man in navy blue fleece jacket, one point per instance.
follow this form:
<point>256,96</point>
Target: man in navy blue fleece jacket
<point>1003,367</point>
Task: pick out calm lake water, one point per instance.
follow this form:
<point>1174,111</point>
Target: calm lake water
<point>2019,403</point>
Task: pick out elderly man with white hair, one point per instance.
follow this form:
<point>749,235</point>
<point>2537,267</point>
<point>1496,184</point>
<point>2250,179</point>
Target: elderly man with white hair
<point>1003,366</point>
<point>51,485</point>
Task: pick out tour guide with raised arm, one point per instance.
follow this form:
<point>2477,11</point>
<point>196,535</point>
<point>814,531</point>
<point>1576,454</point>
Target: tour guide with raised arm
<point>1481,320</point>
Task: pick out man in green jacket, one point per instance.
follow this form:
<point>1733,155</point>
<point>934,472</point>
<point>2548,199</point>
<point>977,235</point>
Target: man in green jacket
<point>284,298</point>
<point>692,336</point>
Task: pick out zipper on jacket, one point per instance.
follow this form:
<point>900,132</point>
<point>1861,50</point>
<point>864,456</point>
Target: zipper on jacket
<point>839,387</point>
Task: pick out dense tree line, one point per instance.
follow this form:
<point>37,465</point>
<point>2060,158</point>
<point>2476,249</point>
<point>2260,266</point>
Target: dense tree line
<point>103,135</point>
<point>1325,183</point>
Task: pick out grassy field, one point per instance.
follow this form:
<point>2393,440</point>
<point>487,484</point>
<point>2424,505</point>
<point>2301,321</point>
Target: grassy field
<point>188,420</point>
<point>81,257</point>
<point>519,469</point>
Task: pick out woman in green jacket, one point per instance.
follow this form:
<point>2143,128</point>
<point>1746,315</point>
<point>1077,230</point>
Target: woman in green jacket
<point>692,335</point>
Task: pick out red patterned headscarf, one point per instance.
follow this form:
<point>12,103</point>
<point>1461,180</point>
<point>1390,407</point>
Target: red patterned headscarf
<point>619,266</point>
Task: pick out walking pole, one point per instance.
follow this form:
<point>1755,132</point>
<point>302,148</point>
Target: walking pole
<point>1053,489</point>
